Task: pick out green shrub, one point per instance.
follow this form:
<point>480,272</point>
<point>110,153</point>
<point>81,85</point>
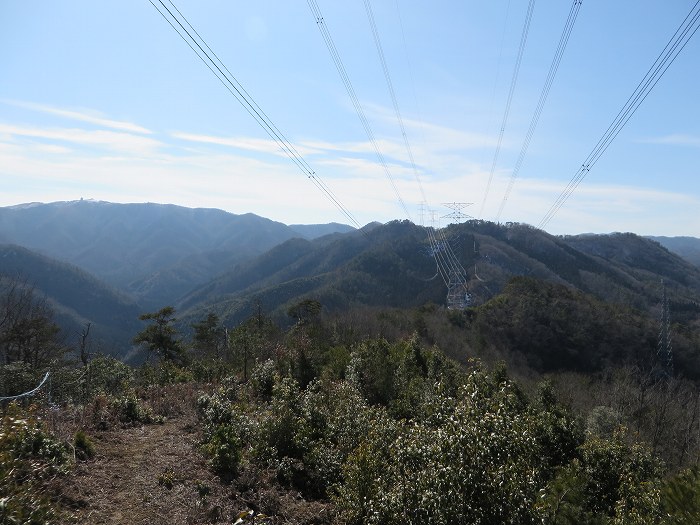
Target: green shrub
<point>17,377</point>
<point>262,379</point>
<point>29,457</point>
<point>208,370</point>
<point>220,408</point>
<point>224,449</point>
<point>129,411</point>
<point>681,498</point>
<point>106,375</point>
<point>84,447</point>
<point>167,479</point>
<point>474,459</point>
<point>203,490</point>
<point>612,482</point>
<point>278,427</point>
<point>165,372</point>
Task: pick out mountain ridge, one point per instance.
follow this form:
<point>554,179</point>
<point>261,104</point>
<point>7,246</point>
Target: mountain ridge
<point>144,249</point>
<point>199,267</point>
<point>76,297</point>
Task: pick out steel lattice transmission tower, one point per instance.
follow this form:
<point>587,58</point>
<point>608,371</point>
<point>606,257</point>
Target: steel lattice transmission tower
<point>457,213</point>
<point>458,296</point>
<point>664,354</point>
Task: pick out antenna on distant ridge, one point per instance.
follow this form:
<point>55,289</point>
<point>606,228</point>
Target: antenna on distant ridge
<point>664,355</point>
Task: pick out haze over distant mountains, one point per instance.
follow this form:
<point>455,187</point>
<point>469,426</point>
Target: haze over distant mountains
<point>686,247</point>
<point>154,252</point>
<point>105,263</point>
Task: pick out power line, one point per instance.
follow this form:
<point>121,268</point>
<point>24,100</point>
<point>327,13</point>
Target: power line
<point>387,77</point>
<point>451,270</point>
<point>664,349</point>
<point>668,55</point>
<point>199,46</point>
<point>568,27</point>
<point>511,91</point>
<point>325,33</point>
<point>413,88</point>
<point>496,79</point>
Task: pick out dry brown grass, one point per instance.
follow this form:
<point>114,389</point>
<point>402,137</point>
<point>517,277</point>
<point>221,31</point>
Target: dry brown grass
<point>156,474</point>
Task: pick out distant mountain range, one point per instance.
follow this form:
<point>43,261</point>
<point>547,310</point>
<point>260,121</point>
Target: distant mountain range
<point>118,260</point>
<point>76,297</point>
<point>154,252</point>
<point>686,247</point>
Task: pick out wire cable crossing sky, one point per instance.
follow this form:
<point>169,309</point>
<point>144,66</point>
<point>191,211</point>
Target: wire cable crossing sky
<point>568,28</point>
<point>313,5</point>
<point>668,55</point>
<point>138,120</point>
<point>511,92</point>
<point>212,62</point>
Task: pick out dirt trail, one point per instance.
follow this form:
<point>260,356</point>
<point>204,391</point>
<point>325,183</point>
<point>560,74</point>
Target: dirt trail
<point>151,474</point>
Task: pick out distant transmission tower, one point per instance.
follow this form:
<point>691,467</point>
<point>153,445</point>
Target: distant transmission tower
<point>458,296</point>
<point>664,355</point>
<point>457,213</point>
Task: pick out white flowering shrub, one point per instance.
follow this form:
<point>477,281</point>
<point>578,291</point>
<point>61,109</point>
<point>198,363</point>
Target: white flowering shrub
<point>29,457</point>
<point>474,459</point>
<point>226,429</point>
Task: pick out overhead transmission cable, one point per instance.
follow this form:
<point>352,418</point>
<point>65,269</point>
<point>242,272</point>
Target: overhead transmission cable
<point>668,55</point>
<point>496,79</point>
<point>390,86</point>
<point>413,87</point>
<point>511,91</point>
<point>199,46</point>
<point>325,33</point>
<point>452,270</point>
<point>568,27</point>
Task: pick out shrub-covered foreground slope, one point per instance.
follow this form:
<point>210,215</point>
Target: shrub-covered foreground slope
<point>323,423</point>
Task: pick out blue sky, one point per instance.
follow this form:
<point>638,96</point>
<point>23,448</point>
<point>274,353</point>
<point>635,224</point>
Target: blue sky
<point>103,100</point>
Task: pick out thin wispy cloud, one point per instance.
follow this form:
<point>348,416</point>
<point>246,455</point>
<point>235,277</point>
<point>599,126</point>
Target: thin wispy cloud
<point>237,174</point>
<point>111,140</point>
<point>675,139</point>
<point>242,143</point>
<point>82,116</point>
<point>421,131</point>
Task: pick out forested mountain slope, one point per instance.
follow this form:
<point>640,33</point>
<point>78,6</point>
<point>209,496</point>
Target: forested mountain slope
<point>392,266</point>
<point>686,247</point>
<point>76,297</point>
<point>155,252</point>
<point>224,268</point>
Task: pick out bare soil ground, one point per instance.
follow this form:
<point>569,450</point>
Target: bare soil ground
<point>156,474</point>
<point>151,474</point>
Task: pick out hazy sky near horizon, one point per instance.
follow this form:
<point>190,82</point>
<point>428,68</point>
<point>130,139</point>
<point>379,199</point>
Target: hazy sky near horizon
<point>104,100</point>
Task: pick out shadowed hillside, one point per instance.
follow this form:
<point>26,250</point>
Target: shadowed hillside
<point>76,297</point>
<point>155,252</point>
<point>392,266</point>
<point>686,247</point>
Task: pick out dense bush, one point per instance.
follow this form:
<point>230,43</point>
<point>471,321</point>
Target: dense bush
<point>129,410</point>
<point>224,447</point>
<point>610,482</point>
<point>29,457</point>
<point>490,456</point>
<point>226,428</point>
<point>475,461</point>
<point>681,498</point>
